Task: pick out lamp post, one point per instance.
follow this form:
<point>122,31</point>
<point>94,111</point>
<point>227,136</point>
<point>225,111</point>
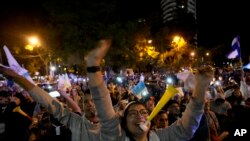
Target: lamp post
<point>34,42</point>
<point>207,54</point>
<point>178,42</point>
<point>192,55</point>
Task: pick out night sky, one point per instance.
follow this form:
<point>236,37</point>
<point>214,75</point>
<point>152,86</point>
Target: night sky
<point>218,20</point>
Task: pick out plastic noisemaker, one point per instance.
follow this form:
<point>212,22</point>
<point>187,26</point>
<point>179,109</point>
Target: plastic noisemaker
<point>20,111</point>
<point>169,93</point>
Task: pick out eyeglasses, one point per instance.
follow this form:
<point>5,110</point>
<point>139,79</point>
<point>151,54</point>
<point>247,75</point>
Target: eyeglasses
<point>135,113</point>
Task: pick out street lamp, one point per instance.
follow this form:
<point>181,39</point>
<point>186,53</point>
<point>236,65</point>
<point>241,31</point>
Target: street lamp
<point>178,42</point>
<point>34,42</point>
<point>52,68</point>
<point>150,41</point>
<point>207,57</point>
<point>192,54</point>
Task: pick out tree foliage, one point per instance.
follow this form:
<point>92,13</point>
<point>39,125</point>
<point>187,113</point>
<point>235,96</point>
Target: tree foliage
<point>77,25</point>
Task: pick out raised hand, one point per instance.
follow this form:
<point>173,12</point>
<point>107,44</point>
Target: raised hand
<point>93,59</point>
<point>95,56</point>
<point>203,77</point>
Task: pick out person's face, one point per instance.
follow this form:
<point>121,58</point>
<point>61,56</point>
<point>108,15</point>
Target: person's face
<point>150,104</point>
<point>4,100</point>
<point>237,93</point>
<point>89,106</point>
<point>26,95</point>
<point>137,114</point>
<point>162,121</point>
<point>74,91</point>
<point>131,97</point>
<point>207,106</point>
<point>248,79</point>
<point>220,71</point>
<point>174,109</point>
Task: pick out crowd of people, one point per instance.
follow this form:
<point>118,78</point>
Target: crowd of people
<point>107,111</point>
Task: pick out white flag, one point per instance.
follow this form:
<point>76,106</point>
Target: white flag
<point>63,82</point>
<point>233,54</point>
<point>15,66</point>
<point>188,78</point>
<point>247,66</point>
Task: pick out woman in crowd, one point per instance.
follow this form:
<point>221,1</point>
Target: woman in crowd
<point>135,113</point>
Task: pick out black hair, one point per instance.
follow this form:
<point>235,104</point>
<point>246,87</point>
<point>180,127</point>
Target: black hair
<point>4,93</point>
<point>162,112</point>
<point>21,97</point>
<point>170,103</point>
<point>123,118</point>
<point>87,91</point>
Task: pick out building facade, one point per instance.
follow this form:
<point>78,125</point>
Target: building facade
<point>173,10</point>
<point>180,16</point>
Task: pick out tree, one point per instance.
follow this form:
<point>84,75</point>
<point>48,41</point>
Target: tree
<point>77,25</point>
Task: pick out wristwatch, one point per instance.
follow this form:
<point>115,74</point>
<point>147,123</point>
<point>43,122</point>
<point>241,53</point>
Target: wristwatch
<point>93,69</point>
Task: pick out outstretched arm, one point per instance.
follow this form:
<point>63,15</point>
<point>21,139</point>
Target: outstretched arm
<point>23,82</point>
<point>110,123</point>
<point>184,128</point>
<point>38,94</point>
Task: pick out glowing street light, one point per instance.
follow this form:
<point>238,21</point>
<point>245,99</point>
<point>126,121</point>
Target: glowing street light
<point>34,41</point>
<point>178,43</point>
<point>53,68</point>
<point>192,54</point>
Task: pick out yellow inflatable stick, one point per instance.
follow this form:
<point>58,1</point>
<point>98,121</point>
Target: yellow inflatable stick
<point>20,111</point>
<point>169,93</point>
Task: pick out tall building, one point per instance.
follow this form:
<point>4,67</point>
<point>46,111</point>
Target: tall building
<point>173,9</point>
<point>180,15</point>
